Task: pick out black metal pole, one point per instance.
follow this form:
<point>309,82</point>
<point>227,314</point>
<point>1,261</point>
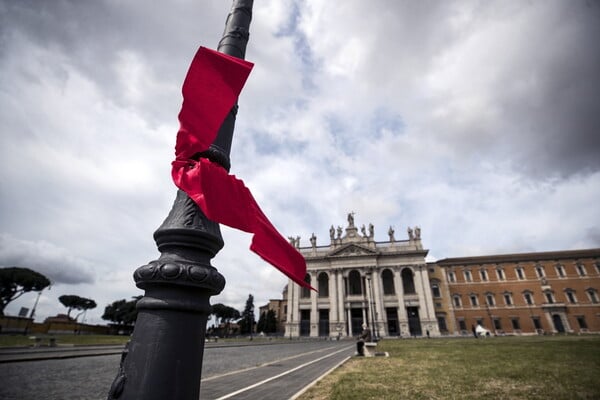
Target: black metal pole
<point>163,359</point>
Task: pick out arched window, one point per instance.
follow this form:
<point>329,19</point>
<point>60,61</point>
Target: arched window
<point>408,284</point>
<point>457,300</point>
<point>354,283</point>
<point>474,300</point>
<point>323,284</point>
<point>305,292</point>
<point>387,279</point>
<point>593,295</point>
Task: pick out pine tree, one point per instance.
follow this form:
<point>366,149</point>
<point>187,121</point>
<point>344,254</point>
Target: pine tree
<point>247,321</point>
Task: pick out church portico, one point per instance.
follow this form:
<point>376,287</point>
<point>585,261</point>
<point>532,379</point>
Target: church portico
<point>361,281</point>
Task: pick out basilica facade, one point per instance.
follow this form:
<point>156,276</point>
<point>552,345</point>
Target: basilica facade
<point>390,287</point>
<point>360,281</point>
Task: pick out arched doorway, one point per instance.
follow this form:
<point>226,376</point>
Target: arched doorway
<point>558,324</point>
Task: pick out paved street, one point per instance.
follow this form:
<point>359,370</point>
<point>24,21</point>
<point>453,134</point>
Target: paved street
<point>278,379</point>
<point>266,371</point>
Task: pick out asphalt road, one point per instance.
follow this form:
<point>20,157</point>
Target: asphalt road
<point>270,371</point>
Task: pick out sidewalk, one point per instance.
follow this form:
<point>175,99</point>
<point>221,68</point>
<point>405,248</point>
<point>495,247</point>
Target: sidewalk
<point>62,351</point>
<point>17,354</point>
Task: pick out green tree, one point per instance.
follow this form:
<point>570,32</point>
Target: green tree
<point>73,302</point>
<point>247,321</point>
<point>224,314</point>
<point>122,312</point>
<point>267,322</point>
<point>15,281</point>
<point>261,325</point>
<point>271,322</point>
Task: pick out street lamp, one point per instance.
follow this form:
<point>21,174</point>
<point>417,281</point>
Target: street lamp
<point>163,360</point>
<point>371,304</point>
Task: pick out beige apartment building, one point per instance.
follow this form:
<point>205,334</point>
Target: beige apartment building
<point>389,286</point>
<point>548,292</point>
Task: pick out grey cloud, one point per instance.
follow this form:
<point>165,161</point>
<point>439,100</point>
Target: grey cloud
<point>54,262</point>
<point>592,235</point>
<point>536,81</point>
<point>93,36</point>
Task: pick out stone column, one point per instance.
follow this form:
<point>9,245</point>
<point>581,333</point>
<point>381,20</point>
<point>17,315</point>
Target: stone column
<point>349,321</point>
<point>333,308</point>
<point>428,296</point>
<point>340,301</point>
<point>292,303</point>
<point>419,287</point>
<point>314,312</point>
<point>402,316</point>
<point>378,302</point>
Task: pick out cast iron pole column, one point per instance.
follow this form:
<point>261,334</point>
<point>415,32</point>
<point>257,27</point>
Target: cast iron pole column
<point>163,360</point>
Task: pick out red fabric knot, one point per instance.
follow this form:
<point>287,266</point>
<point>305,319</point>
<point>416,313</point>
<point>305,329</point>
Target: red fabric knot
<point>211,88</point>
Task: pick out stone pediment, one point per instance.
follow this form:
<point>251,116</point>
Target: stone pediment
<point>350,250</point>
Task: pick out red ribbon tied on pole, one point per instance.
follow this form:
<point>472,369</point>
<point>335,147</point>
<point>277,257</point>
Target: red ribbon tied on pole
<point>211,88</point>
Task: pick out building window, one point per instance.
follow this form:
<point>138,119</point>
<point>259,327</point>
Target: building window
<point>539,270</point>
<point>580,269</point>
<point>354,283</point>
<point>457,301</point>
<point>387,279</point>
<point>462,325</point>
<point>581,322</point>
<point>305,292</point>
<point>489,298</point>
<point>515,324</point>
<point>571,296</point>
<point>528,298</point>
<point>500,273</point>
<point>442,323</point>
<point>593,295</point>
<point>549,297</point>
<point>484,275</point>
<point>520,273</point>
<point>323,280</point>
<point>508,299</point>
<point>497,324</point>
<point>468,276</point>
<point>408,284</point>
<point>435,290</point>
<point>597,266</point>
<point>560,270</point>
<point>451,277</point>
<point>473,298</point>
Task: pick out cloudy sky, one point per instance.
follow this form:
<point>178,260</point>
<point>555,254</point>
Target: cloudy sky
<point>477,121</point>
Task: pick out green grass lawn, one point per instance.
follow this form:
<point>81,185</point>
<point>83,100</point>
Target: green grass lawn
<point>540,367</point>
<point>79,340</point>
